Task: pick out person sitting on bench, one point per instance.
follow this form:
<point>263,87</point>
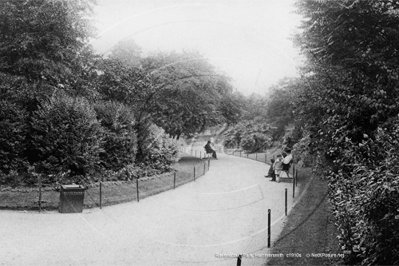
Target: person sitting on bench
<point>287,162</point>
<point>209,149</point>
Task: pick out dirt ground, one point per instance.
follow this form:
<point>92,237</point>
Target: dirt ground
<point>207,222</point>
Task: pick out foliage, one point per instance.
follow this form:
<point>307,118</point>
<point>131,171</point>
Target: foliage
<point>119,145</point>
<point>12,136</point>
<point>348,103</point>
<point>66,137</point>
<point>45,40</point>
<point>188,93</point>
<point>128,53</point>
<point>248,136</point>
<point>158,150</point>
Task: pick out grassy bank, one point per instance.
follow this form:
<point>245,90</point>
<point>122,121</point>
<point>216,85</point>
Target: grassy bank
<point>309,235</point>
<point>112,192</point>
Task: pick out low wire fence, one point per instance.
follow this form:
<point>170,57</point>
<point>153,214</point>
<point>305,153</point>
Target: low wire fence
<point>100,194</point>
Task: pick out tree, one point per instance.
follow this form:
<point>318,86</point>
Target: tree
<point>188,94</point>
<point>348,94</point>
<point>127,52</point>
<point>46,41</point>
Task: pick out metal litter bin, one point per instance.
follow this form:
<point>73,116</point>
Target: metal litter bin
<point>71,199</point>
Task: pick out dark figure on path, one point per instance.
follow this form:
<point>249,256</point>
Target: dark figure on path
<point>271,171</point>
<point>209,149</point>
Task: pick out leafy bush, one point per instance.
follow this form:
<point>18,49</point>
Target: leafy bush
<point>159,150</point>
<point>248,135</point>
<point>120,141</point>
<point>66,136</point>
<point>366,201</point>
<point>12,136</point>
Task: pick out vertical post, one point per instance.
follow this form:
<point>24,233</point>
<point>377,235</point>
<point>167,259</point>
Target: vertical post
<point>286,200</point>
<point>239,259</point>
<point>174,180</point>
<point>293,171</point>
<point>296,177</point>
<point>209,163</point>
<point>293,188</point>
<point>247,154</point>
<point>40,192</point>
<point>101,195</point>
<point>269,218</point>
<point>265,157</point>
<point>137,189</point>
<point>194,173</point>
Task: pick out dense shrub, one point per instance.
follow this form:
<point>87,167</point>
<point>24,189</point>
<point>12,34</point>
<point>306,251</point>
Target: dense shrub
<point>120,141</point>
<point>66,136</point>
<point>160,151</point>
<point>248,135</point>
<point>12,136</point>
<point>366,200</point>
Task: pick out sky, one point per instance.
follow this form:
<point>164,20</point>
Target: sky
<point>247,40</point>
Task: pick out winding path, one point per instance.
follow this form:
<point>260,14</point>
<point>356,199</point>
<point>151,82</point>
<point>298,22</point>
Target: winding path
<point>201,223</point>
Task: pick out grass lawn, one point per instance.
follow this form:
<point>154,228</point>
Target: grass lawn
<point>111,192</point>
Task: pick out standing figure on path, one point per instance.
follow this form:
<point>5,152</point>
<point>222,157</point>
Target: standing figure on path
<point>209,149</point>
<point>278,166</point>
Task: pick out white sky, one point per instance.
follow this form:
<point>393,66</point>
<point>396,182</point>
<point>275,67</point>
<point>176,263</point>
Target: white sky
<point>248,40</point>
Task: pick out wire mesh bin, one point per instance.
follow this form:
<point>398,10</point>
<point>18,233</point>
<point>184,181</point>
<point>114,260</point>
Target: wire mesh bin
<point>71,199</point>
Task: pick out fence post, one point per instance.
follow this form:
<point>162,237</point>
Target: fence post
<point>101,195</point>
<point>174,180</point>
<point>286,200</point>
<point>137,189</point>
<point>296,177</point>
<point>293,170</point>
<point>269,218</point>
<point>293,188</point>
<point>239,259</point>
<point>40,192</point>
<point>209,163</point>
<point>265,157</point>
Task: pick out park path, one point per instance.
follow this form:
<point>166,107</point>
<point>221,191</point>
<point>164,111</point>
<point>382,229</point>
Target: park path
<point>201,223</point>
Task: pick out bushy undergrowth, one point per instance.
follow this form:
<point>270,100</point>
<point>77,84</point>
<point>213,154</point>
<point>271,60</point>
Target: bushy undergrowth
<point>160,151</point>
<point>12,136</point>
<point>119,145</point>
<point>66,136</point>
<point>249,136</point>
<point>366,200</point>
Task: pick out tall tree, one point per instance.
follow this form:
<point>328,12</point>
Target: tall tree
<point>188,94</point>
<point>128,52</point>
<point>45,40</point>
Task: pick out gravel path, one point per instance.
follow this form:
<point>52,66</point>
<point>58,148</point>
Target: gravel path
<point>201,223</point>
